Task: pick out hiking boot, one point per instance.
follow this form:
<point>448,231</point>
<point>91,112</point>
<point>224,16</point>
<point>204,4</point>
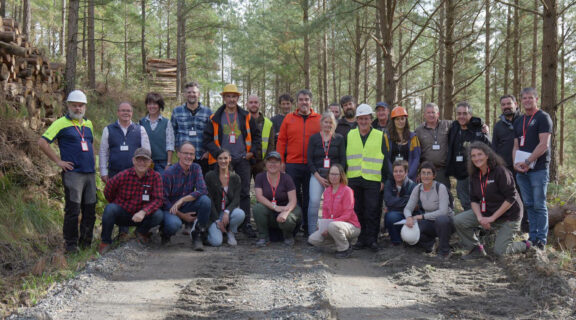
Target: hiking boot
<point>231,238</point>
<point>123,237</point>
<point>262,243</point>
<point>446,256</point>
<point>343,254</point>
<point>164,239</point>
<point>249,231</point>
<point>142,238</point>
<point>186,230</point>
<point>71,248</point>
<point>476,253</point>
<point>373,247</point>
<point>289,242</point>
<point>359,245</point>
<point>104,247</point>
<point>197,243</point>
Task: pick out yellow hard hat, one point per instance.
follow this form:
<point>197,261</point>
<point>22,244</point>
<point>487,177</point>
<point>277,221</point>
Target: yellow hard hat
<point>230,88</point>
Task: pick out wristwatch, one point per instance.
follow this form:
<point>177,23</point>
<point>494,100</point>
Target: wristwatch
<point>527,162</point>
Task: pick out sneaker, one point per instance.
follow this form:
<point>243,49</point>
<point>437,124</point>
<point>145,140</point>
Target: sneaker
<point>343,254</point>
<point>262,243</point>
<point>476,253</point>
<point>289,242</point>
<point>104,247</point>
<point>231,238</point>
<point>249,231</point>
<point>446,256</point>
<point>373,247</point>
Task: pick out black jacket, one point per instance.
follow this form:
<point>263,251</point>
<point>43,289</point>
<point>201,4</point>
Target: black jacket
<point>457,139</point>
<point>503,138</point>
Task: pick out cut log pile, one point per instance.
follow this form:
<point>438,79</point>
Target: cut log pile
<point>565,232</point>
<point>162,76</point>
<point>27,77</point>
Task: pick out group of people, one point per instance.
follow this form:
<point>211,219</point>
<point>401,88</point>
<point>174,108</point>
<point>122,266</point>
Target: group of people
<point>355,167</point>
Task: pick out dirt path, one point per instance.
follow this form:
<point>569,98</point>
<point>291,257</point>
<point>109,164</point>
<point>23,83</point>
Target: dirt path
<point>276,282</point>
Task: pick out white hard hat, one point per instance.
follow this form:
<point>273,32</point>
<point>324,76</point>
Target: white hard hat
<point>364,110</point>
<point>410,235</point>
<point>77,96</point>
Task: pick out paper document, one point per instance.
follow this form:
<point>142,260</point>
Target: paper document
<point>521,156</point>
<point>323,224</point>
<point>403,221</point>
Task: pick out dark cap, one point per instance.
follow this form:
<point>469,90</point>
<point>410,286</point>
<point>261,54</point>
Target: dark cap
<point>382,104</point>
<point>143,153</point>
<point>273,155</point>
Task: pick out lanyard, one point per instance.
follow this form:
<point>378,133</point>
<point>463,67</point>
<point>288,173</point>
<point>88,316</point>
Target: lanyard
<point>326,149</point>
<point>524,125</point>
<point>78,130</point>
<point>484,186</point>
<point>273,188</point>
<point>232,124</point>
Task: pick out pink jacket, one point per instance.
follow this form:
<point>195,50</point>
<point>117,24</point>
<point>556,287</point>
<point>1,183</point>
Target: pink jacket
<point>340,206</point>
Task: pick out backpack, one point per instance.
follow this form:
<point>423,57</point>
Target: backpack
<point>450,197</point>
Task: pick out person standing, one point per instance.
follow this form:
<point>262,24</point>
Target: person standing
<point>403,144</point>
<point>348,122</point>
<point>119,141</point>
<point>75,136</point>
<point>189,121</point>
<point>367,172</point>
<point>465,130</point>
<point>266,128</point>
<point>382,113</point>
<point>532,136</point>
<point>335,109</point>
<point>160,132</point>
<point>433,137</point>
<point>295,134</point>
<point>233,128</point>
<point>285,103</point>
<point>503,136</point>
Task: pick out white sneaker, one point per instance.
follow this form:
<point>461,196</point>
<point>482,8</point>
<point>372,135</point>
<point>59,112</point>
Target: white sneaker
<point>231,238</point>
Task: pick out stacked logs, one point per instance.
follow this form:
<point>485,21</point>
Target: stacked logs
<point>27,77</point>
<point>162,75</point>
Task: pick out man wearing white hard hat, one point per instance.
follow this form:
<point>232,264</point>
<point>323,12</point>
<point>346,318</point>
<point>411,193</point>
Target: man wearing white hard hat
<point>365,157</point>
<point>75,135</point>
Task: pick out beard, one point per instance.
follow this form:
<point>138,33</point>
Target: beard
<point>508,112</point>
<point>76,116</point>
<point>349,113</point>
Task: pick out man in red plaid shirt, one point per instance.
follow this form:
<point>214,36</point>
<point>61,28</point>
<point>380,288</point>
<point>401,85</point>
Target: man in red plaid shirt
<point>135,197</point>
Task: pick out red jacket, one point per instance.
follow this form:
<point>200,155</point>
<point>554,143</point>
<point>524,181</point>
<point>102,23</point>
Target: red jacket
<point>294,135</point>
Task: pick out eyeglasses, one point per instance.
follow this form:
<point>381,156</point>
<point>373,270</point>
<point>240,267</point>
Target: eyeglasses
<point>190,154</point>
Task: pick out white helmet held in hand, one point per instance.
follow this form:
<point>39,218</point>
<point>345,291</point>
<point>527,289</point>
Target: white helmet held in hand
<point>77,96</point>
<point>364,110</point>
<point>410,235</point>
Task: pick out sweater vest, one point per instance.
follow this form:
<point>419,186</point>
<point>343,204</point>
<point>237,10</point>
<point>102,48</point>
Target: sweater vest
<point>120,160</point>
<point>157,138</point>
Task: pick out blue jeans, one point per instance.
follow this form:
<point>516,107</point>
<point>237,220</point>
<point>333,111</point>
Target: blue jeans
<point>316,191</point>
<point>201,206</point>
<point>160,166</point>
<point>215,235</point>
<point>114,214</point>
<point>533,186</point>
<point>391,218</point>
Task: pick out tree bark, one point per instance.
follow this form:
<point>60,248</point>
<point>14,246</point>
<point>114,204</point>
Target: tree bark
<point>449,62</point>
<point>358,48</point>
<point>534,45</point>
<point>91,47</point>
<point>516,51</point>
<point>325,61</point>
<point>62,27</point>
<point>3,8</point>
<point>305,8</point>
<point>487,64</point>
<point>71,45</point>
<point>562,93</point>
<point>125,45</point>
<point>379,91</point>
<point>441,57</point>
<point>143,40</point>
<point>507,57</point>
<point>26,17</point>
<point>181,46</point>
<point>387,8</point>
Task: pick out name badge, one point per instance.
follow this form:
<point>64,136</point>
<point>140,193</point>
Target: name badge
<point>459,158</point>
<point>327,163</point>
<point>145,197</point>
<point>274,203</point>
<point>522,141</point>
<point>399,158</point>
<point>232,138</point>
<point>223,204</point>
<point>84,145</point>
<point>483,206</point>
<point>124,148</point>
<point>435,147</point>
<point>192,133</point>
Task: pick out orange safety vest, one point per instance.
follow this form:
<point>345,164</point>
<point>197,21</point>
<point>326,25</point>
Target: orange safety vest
<point>247,140</point>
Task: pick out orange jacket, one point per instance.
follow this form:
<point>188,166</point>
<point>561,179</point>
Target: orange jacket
<point>294,135</point>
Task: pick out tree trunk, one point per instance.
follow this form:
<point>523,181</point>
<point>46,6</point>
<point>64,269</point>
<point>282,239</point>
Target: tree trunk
<point>3,8</point>
<point>487,64</point>
<point>26,17</point>
<point>386,8</point>
<point>335,87</point>
<point>357,57</point>
<point>325,61</point>
<point>320,101</point>
<point>441,57</point>
<point>507,57</point>
<point>84,27</point>
<point>143,40</point>
<point>379,91</point>
<point>62,25</point>
<point>366,73</point>
<point>305,8</point>
<point>71,45</point>
<point>400,67</point>
<point>449,63</point>
<point>125,45</point>
<point>516,52</point>
<point>562,92</point>
<point>91,47</point>
<point>550,73</point>
<point>534,45</point>
<point>181,47</point>
<point>168,8</point>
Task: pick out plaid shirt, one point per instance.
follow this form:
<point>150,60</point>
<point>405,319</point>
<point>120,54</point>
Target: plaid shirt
<point>184,121</point>
<point>178,183</point>
<point>126,190</point>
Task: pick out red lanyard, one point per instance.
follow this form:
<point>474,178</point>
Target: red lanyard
<point>232,125</point>
<point>273,188</point>
<point>224,191</point>
<point>484,186</point>
<point>524,125</point>
<point>80,133</point>
<point>324,146</point>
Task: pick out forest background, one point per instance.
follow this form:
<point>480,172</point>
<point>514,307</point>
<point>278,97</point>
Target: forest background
<point>403,52</point>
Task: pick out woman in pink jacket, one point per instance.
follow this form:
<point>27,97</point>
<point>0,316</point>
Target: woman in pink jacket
<point>338,207</point>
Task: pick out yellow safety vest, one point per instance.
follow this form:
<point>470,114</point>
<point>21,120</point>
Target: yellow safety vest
<point>266,135</point>
<point>365,160</point>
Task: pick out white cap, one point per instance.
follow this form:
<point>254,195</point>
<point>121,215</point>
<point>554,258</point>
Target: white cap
<point>364,110</point>
<point>410,235</point>
<point>77,96</point>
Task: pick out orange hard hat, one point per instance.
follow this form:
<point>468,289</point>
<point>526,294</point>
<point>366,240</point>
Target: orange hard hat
<point>398,112</point>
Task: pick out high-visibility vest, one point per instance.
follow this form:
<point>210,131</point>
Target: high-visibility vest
<point>365,160</point>
<point>247,139</point>
<point>266,135</point>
